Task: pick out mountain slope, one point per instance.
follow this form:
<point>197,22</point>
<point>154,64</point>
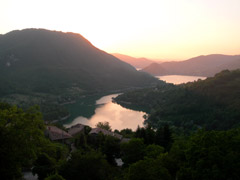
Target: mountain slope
<point>38,60</point>
<point>136,62</point>
<point>199,66</point>
<point>155,69</point>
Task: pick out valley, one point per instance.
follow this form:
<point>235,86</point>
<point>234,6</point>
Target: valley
<point>70,110</point>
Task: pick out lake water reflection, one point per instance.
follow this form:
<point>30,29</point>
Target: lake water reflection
<point>118,116</point>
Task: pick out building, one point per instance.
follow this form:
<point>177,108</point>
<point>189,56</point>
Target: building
<point>76,129</point>
<point>105,132</point>
<point>56,134</point>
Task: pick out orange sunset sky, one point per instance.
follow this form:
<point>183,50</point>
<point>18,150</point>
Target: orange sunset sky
<point>156,29</point>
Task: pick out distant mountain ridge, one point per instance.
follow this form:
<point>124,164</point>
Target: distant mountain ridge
<point>207,66</point>
<point>136,62</point>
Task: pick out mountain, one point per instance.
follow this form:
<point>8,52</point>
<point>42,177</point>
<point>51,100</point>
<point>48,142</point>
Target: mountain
<point>50,68</point>
<point>46,61</point>
<point>155,68</point>
<point>232,65</point>
<point>136,62</point>
<point>198,66</point>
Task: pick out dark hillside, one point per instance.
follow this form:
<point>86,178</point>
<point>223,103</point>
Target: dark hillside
<point>42,60</point>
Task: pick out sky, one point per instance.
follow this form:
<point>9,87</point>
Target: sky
<point>155,29</point>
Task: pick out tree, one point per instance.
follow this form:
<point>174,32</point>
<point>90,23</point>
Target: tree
<point>153,151</point>
<point>44,166</point>
<point>132,151</point>
<point>150,169</point>
<point>150,135</point>
<point>21,139</point>
<point>212,155</point>
<point>88,165</point>
<point>127,133</point>
<point>81,141</point>
<point>111,148</point>
<point>140,133</point>
<point>104,125</point>
<point>164,137</point>
<point>54,177</point>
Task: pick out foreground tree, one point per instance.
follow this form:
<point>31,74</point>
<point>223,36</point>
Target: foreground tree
<point>212,155</point>
<point>148,168</point>
<point>132,151</point>
<point>21,135</point>
<point>44,166</point>
<point>111,148</point>
<point>54,177</point>
<point>88,165</point>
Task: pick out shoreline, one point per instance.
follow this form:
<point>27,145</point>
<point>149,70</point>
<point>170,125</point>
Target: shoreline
<point>101,94</point>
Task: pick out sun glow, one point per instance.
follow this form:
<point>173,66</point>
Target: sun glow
<point>173,29</point>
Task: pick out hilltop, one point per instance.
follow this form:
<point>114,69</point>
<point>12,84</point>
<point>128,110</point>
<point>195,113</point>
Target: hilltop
<point>206,66</point>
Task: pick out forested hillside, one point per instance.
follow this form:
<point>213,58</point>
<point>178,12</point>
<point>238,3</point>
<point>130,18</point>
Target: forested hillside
<point>213,103</point>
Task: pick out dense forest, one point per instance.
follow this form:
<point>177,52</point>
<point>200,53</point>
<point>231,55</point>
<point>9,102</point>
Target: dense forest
<point>211,104</point>
<point>150,153</point>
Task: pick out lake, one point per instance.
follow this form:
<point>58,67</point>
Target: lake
<point>179,79</point>
<point>89,112</point>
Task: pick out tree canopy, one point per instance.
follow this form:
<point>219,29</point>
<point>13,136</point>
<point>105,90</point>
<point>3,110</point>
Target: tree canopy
<point>104,125</point>
<point>21,139</point>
